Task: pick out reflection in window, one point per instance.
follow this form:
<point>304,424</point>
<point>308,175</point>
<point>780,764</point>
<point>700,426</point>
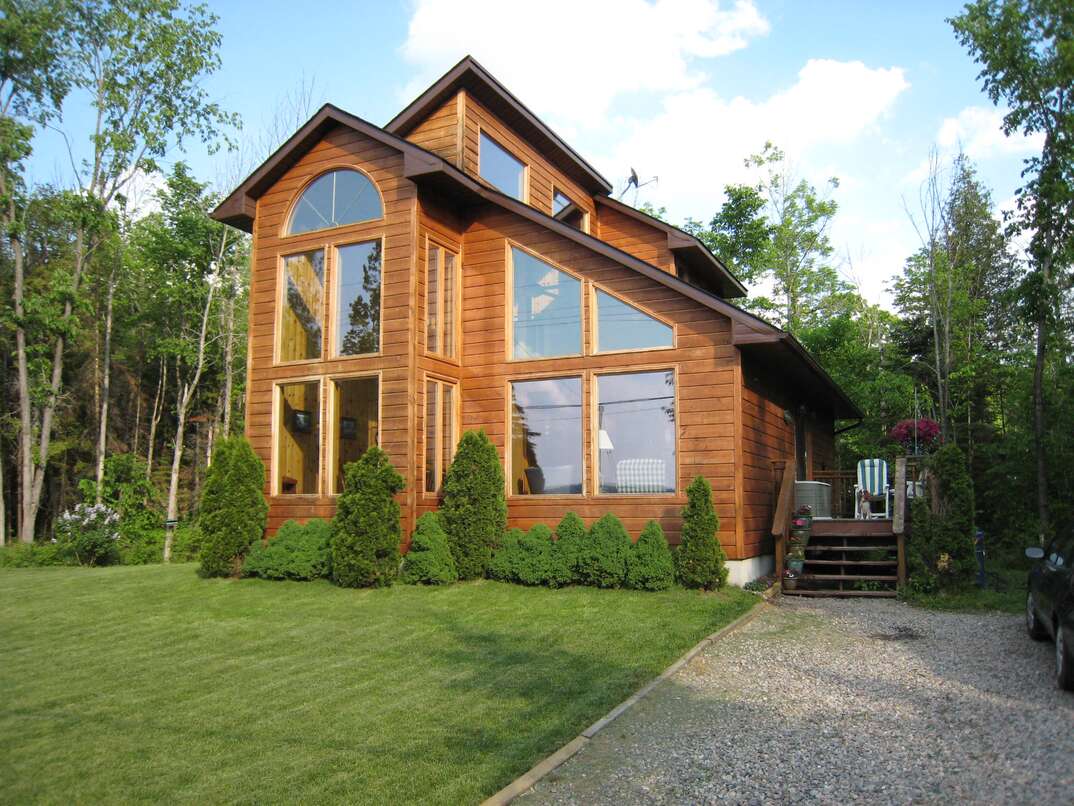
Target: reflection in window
<point>568,212</point>
<point>441,286</point>
<point>547,309</point>
<point>636,432</point>
<point>624,327</point>
<point>300,331</point>
<point>357,403</point>
<point>298,447</point>
<point>546,436</point>
<point>559,202</point>
<point>440,437</point>
<point>334,199</point>
<point>500,168</point>
<point>358,307</point>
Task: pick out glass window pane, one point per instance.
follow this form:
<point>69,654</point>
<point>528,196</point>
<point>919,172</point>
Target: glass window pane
<point>636,432</point>
<point>303,308</point>
<point>500,169</point>
<point>559,201</point>
<point>450,285</point>
<point>547,309</point>
<point>298,457</point>
<point>432,389</point>
<point>447,430</point>
<point>546,436</point>
<point>358,307</point>
<point>624,327</point>
<point>357,421</point>
<point>432,300</point>
<point>334,199</point>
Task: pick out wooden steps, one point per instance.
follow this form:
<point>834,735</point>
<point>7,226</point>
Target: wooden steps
<point>889,594</point>
<point>838,561</point>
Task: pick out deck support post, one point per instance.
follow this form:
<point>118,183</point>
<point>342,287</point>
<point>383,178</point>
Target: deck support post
<point>898,522</point>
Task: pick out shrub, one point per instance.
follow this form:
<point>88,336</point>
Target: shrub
<point>602,558</point>
<point>940,549</point>
<point>187,542</point>
<point>428,561</point>
<point>91,532</point>
<point>650,565</point>
<point>365,530</point>
<point>528,558</point>
<point>297,551</point>
<point>140,546</point>
<point>570,536</point>
<point>474,511</point>
<point>233,511</point>
<point>35,555</point>
<point>503,562</point>
<point>700,558</point>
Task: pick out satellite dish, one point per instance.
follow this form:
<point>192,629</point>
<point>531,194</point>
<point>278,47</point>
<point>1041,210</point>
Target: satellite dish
<point>636,183</point>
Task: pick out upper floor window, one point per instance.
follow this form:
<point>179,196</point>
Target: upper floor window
<point>441,300</point>
<point>565,210</point>
<point>357,323</point>
<point>501,169</point>
<point>334,199</point>
<point>623,327</point>
<point>546,309</point>
<point>302,306</point>
<point>559,202</point>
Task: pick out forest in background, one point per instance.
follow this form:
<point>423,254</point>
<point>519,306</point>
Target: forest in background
<point>123,334</point>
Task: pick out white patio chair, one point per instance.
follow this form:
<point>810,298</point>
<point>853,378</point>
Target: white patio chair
<point>873,487</point>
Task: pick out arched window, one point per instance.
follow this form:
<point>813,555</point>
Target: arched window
<point>337,198</point>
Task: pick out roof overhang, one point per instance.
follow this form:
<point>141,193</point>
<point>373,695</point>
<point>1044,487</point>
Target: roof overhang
<point>469,75</point>
<point>685,247</point>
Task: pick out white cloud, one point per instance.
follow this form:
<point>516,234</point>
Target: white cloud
<point>570,60</point>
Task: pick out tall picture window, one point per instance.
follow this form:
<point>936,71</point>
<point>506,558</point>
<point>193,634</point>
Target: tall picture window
<point>546,309</point>
<point>623,327</point>
<point>298,441</point>
<point>546,436</point>
<point>356,426</point>
<point>636,432</point>
<point>441,402</point>
<point>335,199</point>
<point>302,306</point>
<point>357,323</point>
<point>441,301</point>
<point>500,168</point>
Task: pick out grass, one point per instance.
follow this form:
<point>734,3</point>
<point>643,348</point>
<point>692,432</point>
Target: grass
<point>1006,591</point>
<point>150,684</point>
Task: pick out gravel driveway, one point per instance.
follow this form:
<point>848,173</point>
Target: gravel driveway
<point>838,700</point>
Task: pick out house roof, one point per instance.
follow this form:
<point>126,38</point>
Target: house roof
<point>685,246</point>
<point>469,75</point>
<point>427,169</point>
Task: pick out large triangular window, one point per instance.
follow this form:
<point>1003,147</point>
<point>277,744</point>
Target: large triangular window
<point>623,327</point>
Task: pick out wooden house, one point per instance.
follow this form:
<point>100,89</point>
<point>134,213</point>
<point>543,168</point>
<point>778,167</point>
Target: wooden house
<point>462,267</point>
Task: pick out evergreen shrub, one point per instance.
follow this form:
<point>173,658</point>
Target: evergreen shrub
<point>297,551</point>
<point>650,565</point>
<point>603,556</point>
<point>365,530</point>
<point>700,559</point>
<point>233,511</point>
<point>428,560</point>
<point>474,510</point>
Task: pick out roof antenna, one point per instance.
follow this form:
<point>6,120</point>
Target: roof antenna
<point>637,184</point>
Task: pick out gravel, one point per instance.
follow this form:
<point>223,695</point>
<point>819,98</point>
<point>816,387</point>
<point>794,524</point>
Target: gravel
<point>837,700</point>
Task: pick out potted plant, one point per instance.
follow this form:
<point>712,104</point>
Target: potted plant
<point>790,580</point>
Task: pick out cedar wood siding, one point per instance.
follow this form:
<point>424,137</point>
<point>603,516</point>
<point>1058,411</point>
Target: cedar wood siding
<point>341,147</point>
<point>704,360</point>
<point>635,238</point>
<point>441,132</point>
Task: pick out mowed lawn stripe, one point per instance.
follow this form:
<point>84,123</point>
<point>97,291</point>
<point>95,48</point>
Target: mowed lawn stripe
<point>150,684</point>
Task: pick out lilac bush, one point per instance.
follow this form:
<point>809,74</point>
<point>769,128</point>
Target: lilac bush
<point>91,532</point>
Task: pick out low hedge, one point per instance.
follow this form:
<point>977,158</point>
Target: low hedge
<point>428,560</point>
<point>297,551</point>
<point>650,565</point>
<point>530,558</point>
<point>603,555</point>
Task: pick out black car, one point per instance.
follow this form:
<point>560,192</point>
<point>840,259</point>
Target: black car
<point>1050,603</point>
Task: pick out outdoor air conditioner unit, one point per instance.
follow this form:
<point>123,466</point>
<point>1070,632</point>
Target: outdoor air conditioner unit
<point>815,494</point>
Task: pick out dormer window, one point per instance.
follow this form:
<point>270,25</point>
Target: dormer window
<point>501,169</point>
<point>565,210</point>
<point>336,199</point>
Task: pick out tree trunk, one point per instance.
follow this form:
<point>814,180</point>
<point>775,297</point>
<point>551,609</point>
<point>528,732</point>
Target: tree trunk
<point>1038,427</point>
<point>154,419</point>
<point>229,355</point>
<point>106,385</point>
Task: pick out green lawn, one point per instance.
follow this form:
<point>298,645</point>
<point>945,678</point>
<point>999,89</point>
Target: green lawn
<point>1006,591</point>
<point>150,684</point>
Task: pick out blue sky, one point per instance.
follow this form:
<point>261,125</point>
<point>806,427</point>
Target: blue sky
<point>679,89</point>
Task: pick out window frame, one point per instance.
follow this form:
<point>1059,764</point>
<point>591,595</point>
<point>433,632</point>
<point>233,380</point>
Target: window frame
<point>556,190</point>
<point>281,303</point>
<point>484,132</point>
<point>331,382</point>
<point>332,300</point>
<point>594,426</point>
<point>285,225</point>
<point>275,490</point>
<point>595,323</point>
<point>432,242</point>
<point>509,303</point>
<point>456,422</point>
<point>581,376</point>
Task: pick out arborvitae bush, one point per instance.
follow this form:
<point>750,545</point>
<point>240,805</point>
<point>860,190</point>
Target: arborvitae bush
<point>365,530</point>
<point>602,559</point>
<point>701,560</point>
<point>570,535</point>
<point>297,551</point>
<point>233,510</point>
<point>502,564</point>
<point>528,558</point>
<point>428,560</point>
<point>474,511</point>
<point>940,549</point>
<point>650,565</point>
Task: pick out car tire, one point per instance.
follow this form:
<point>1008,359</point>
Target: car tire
<point>1064,663</point>
<point>1033,626</point>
